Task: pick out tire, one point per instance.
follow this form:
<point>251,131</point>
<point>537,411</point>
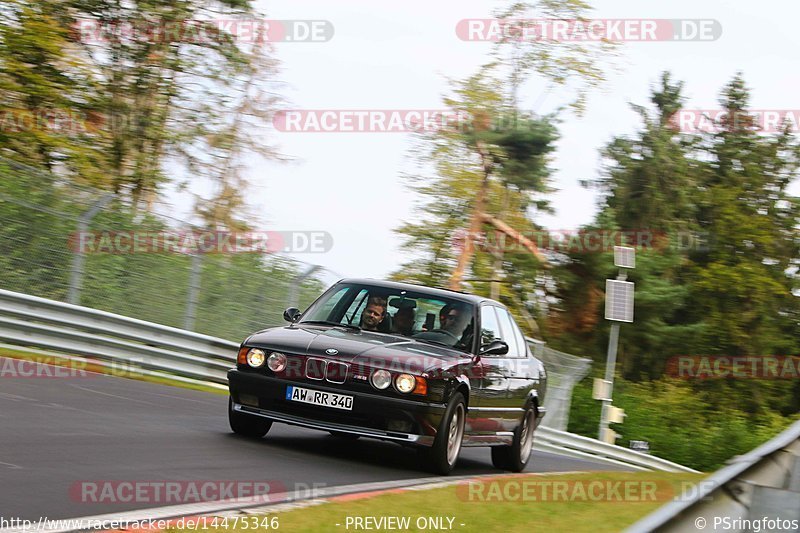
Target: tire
<point>250,426</point>
<point>344,436</point>
<point>442,456</point>
<point>515,457</point>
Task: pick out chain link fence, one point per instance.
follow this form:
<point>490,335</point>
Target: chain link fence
<point>224,295</point>
<point>564,371</point>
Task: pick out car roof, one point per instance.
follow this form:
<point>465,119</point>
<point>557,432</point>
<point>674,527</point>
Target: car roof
<point>434,291</point>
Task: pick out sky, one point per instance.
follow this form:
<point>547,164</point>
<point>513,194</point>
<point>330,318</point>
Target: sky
<point>401,57</point>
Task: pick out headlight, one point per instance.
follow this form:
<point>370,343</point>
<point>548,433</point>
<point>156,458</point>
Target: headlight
<point>255,358</point>
<point>405,383</point>
<point>276,361</point>
<point>381,379</point>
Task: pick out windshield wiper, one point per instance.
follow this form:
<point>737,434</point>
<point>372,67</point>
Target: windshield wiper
<point>331,323</point>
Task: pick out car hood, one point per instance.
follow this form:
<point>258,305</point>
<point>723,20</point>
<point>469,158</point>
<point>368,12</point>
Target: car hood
<point>374,350</point>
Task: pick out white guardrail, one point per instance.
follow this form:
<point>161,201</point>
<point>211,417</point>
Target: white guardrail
<point>757,491</point>
<point>34,324</point>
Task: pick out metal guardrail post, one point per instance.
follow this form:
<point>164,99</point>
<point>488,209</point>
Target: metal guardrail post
<point>79,257</point>
<point>194,291</point>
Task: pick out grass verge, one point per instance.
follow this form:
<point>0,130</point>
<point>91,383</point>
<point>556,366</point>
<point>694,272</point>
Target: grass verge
<point>591,502</point>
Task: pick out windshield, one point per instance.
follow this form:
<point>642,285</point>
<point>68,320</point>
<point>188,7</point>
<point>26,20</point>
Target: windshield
<point>409,313</point>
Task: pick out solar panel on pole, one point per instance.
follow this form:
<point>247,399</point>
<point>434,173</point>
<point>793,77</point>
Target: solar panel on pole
<point>619,300</point>
<point>624,257</point>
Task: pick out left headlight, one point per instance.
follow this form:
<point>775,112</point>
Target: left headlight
<point>256,357</point>
<point>405,383</point>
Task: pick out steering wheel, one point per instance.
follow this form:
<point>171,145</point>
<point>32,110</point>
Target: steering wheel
<point>456,339</point>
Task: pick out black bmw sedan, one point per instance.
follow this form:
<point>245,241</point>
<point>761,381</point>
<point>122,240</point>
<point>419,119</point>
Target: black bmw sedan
<point>430,368</point>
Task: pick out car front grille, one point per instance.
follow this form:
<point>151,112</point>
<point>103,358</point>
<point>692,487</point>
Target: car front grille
<point>315,368</point>
<point>331,371</point>
<point>336,372</point>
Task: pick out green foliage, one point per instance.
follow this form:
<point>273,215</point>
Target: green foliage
<point>572,65</point>
<point>507,148</point>
<point>682,424</point>
<point>238,294</point>
<point>107,93</point>
<point>730,292</point>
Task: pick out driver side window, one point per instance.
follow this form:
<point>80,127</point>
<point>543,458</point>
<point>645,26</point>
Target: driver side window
<point>490,330</point>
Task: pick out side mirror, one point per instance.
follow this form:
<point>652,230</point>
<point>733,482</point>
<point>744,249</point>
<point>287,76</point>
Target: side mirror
<point>291,314</point>
<point>496,347</point>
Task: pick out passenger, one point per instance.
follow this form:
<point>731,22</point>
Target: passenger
<point>374,313</point>
<point>403,320</point>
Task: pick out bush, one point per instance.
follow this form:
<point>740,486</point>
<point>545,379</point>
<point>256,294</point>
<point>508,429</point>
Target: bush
<point>681,423</point>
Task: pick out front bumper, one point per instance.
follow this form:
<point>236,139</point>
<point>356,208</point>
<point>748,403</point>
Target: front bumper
<point>400,420</point>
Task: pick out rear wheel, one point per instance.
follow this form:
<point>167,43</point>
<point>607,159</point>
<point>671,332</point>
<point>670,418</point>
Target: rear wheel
<point>247,425</point>
<point>515,457</point>
<point>442,456</point>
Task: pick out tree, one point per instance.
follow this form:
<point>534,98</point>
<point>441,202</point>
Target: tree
<point>742,285</point>
<point>46,94</point>
<point>157,85</point>
<point>569,63</point>
<point>488,174</point>
<point>647,185</point>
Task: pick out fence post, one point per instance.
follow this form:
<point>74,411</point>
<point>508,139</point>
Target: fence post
<point>78,259</point>
<point>194,291</point>
<point>294,285</point>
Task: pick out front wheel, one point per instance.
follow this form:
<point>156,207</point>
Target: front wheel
<point>442,456</point>
<point>251,426</point>
<point>515,457</point>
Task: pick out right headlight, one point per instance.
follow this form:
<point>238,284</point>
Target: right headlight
<point>381,379</point>
<point>276,361</point>
<point>405,383</point>
<point>256,358</point>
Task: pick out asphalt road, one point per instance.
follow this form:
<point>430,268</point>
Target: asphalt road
<point>60,435</point>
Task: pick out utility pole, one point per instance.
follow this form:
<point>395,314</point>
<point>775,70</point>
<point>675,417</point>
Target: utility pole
<point>619,308</point>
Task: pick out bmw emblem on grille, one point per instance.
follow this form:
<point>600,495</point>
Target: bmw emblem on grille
<point>331,351</point>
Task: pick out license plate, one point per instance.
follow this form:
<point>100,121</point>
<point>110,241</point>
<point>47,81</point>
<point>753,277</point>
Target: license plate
<point>315,397</point>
